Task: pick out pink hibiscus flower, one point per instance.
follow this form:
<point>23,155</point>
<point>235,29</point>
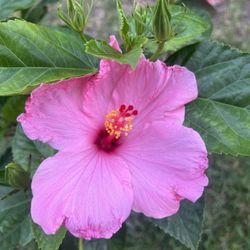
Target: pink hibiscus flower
<point>122,147</point>
<point>215,2</point>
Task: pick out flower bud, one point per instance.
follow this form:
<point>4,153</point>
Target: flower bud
<point>75,18</point>
<point>161,21</point>
<point>140,17</point>
<point>16,176</point>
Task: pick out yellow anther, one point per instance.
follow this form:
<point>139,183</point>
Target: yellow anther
<point>117,123</point>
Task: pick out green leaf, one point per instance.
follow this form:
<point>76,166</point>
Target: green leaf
<point>102,49</point>
<point>4,192</point>
<point>5,143</point>
<point>12,108</point>
<point>7,7</point>
<point>25,153</point>
<point>31,54</point>
<point>3,181</point>
<point>221,114</point>
<point>5,158</point>
<point>26,231</point>
<point>199,5</point>
<point>5,151</point>
<point>141,21</point>
<point>30,246</point>
<point>36,12</point>
<point>45,242</point>
<point>15,228</point>
<point>44,149</point>
<point>124,25</point>
<point>16,176</point>
<point>187,26</point>
<point>186,225</point>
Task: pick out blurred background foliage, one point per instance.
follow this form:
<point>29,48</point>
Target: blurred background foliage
<point>231,20</point>
<point>227,217</point>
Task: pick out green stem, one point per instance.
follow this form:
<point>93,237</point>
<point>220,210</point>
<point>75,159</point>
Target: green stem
<point>157,52</point>
<point>80,244</point>
<point>83,37</point>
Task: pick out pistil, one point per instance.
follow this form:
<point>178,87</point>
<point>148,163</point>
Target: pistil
<point>119,121</point>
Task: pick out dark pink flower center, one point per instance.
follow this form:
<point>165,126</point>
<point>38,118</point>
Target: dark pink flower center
<point>118,122</point>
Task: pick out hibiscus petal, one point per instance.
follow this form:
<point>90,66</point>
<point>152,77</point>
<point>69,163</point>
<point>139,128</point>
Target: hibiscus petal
<point>89,193</point>
<point>156,91</point>
<point>53,113</point>
<point>100,90</point>
<point>114,43</point>
<point>167,164</point>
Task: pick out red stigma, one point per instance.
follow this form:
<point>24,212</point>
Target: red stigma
<point>126,111</point>
<point>135,112</point>
<point>118,122</point>
<point>122,108</point>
